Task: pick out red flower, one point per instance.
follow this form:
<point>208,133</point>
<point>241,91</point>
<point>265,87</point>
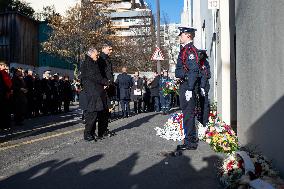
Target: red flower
<point>230,165</point>
<point>258,169</point>
<point>240,164</point>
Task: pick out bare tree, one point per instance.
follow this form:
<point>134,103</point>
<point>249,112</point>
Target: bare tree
<point>82,27</point>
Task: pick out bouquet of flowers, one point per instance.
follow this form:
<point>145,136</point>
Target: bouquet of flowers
<point>233,172</point>
<point>173,128</point>
<point>220,136</point>
<point>170,86</point>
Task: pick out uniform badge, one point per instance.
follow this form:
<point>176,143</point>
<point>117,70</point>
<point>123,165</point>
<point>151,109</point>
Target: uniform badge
<point>191,56</point>
<point>188,95</point>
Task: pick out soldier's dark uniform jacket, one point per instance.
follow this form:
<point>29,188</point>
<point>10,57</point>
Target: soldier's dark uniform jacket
<point>124,83</point>
<point>188,70</point>
<point>188,67</point>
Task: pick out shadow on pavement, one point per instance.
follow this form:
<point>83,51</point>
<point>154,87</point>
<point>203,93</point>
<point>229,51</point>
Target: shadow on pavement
<point>172,172</point>
<point>136,123</point>
<point>29,133</point>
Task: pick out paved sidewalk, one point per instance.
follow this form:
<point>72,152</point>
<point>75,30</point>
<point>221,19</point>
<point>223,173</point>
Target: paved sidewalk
<point>134,159</point>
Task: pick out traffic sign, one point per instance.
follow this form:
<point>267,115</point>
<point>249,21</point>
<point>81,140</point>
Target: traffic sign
<point>157,55</point>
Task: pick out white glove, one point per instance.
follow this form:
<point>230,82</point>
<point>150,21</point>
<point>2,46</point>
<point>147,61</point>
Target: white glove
<point>188,95</point>
<point>202,92</point>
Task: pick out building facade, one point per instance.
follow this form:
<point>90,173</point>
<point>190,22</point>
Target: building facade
<point>245,45</point>
<point>18,39</point>
<point>170,42</point>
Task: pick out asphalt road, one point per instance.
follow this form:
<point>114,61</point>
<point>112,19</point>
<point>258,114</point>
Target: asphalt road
<point>49,152</point>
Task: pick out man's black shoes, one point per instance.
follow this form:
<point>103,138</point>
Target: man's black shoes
<point>182,147</point>
<point>109,133</point>
<point>89,138</point>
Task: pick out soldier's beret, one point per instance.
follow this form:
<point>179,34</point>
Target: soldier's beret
<point>186,30</point>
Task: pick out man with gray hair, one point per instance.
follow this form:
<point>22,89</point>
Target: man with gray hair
<point>94,86</point>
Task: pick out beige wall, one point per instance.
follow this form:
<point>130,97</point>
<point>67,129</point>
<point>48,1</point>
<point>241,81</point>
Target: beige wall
<point>260,76</point>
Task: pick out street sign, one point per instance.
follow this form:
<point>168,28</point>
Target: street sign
<point>213,4</point>
<point>157,55</point>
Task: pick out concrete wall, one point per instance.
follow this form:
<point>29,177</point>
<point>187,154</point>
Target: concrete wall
<point>260,76</point>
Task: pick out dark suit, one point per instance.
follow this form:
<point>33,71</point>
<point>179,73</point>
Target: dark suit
<point>204,100</point>
<point>154,90</point>
<point>96,97</point>
<point>124,83</point>
<point>137,98</point>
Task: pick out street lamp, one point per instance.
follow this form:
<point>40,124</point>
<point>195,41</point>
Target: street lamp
<point>158,34</point>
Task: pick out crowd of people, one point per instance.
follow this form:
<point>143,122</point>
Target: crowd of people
<point>146,94</point>
<point>25,95</point>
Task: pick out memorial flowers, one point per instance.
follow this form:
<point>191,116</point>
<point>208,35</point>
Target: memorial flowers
<point>170,86</point>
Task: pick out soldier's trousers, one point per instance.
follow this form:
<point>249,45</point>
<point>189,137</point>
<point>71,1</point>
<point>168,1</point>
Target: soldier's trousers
<point>204,103</point>
<point>98,116</point>
<point>187,105</point>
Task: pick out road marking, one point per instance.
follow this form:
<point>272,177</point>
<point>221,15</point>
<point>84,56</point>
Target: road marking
<point>39,139</point>
<point>40,127</point>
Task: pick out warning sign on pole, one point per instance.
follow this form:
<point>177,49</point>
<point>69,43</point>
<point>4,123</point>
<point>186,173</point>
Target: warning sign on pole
<point>157,55</point>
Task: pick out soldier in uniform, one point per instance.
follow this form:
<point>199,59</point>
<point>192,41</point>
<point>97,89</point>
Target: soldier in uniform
<point>124,83</point>
<point>188,70</point>
<point>94,86</point>
<point>205,76</point>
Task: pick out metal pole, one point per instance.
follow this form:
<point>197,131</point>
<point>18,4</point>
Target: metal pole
<point>158,34</point>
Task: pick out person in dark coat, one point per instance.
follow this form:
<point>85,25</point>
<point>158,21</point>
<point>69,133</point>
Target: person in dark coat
<point>66,93</point>
<point>154,90</point>
<point>124,83</point>
<point>29,80</point>
<point>5,93</point>
<point>46,92</point>
<point>37,95</point>
<point>136,92</point>
<point>94,86</point>
<point>106,70</point>
<point>205,76</point>
<point>19,96</point>
<point>146,95</point>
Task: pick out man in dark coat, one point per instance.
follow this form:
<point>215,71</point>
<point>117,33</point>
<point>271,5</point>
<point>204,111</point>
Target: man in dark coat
<point>205,76</point>
<point>5,93</point>
<point>136,92</point>
<point>29,80</point>
<point>106,70</point>
<point>46,92</point>
<point>154,90</point>
<point>94,84</point>
<point>124,83</point>
<point>19,96</point>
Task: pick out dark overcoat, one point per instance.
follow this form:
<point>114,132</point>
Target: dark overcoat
<point>93,83</point>
<point>124,83</point>
<point>106,69</point>
<point>154,86</point>
<point>137,84</point>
